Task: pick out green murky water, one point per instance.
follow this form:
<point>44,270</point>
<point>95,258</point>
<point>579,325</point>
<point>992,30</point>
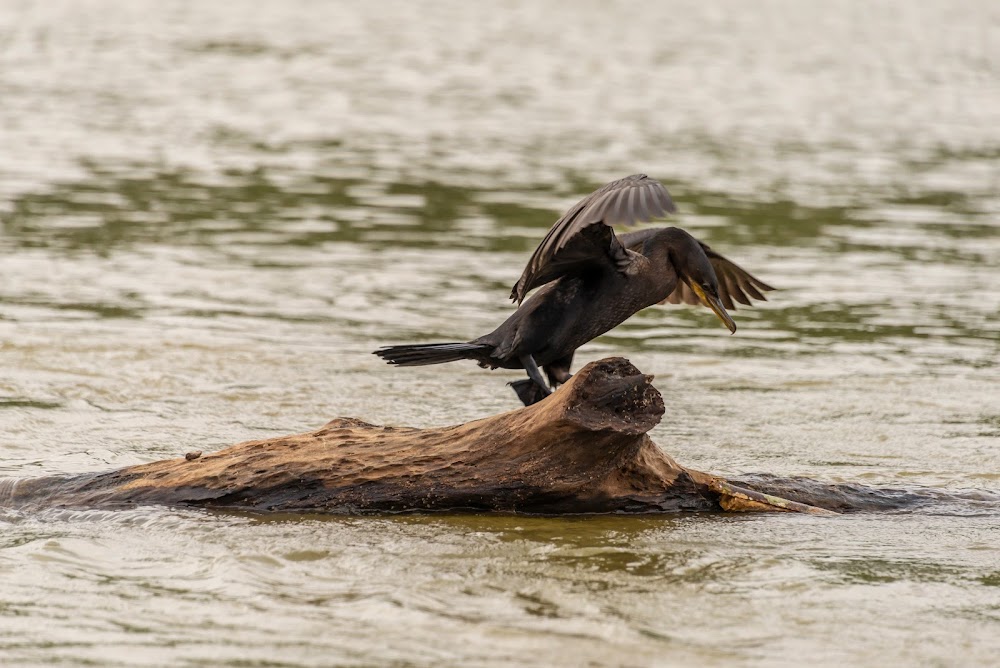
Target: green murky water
<point>210,213</point>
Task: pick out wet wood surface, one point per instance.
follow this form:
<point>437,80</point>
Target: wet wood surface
<point>585,449</point>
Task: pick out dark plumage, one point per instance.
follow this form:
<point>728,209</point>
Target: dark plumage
<point>590,281</point>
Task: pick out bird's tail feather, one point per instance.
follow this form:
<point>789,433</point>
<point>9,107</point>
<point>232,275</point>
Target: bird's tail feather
<point>420,354</point>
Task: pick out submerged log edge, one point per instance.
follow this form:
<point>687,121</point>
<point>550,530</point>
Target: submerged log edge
<point>582,450</point>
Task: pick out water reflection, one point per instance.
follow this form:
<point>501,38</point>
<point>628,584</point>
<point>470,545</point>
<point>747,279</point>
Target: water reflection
<point>859,289</point>
<point>137,203</point>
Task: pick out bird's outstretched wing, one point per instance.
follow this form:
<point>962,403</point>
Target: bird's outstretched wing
<point>583,236</point>
<point>736,284</point>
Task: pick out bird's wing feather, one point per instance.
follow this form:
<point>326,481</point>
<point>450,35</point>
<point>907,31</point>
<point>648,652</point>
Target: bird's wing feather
<point>593,247</point>
<point>635,198</point>
<point>736,284</point>
<point>634,241</point>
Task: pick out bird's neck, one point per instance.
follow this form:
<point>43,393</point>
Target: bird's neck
<point>660,243</point>
<point>663,252</point>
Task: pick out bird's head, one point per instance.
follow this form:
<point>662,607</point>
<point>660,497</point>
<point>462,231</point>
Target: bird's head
<point>695,270</point>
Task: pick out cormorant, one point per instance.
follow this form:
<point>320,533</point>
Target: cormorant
<point>592,280</point>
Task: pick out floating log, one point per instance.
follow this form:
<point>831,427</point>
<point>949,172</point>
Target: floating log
<point>584,449</point>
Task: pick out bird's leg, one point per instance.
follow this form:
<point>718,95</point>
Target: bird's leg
<point>534,373</point>
<point>558,371</point>
<point>557,375</point>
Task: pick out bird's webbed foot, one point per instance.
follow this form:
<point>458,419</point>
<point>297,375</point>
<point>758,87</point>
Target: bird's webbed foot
<point>535,388</point>
<point>528,391</point>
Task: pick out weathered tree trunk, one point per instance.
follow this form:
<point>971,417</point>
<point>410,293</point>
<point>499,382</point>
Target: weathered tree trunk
<point>582,450</point>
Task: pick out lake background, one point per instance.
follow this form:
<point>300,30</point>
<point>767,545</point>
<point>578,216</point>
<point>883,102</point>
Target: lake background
<point>210,214</point>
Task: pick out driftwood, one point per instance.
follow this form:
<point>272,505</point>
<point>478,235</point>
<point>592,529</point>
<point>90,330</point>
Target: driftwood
<point>582,450</point>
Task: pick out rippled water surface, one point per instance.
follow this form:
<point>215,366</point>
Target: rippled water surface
<point>210,213</point>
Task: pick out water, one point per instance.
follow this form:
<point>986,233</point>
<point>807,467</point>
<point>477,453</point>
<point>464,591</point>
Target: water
<point>211,212</point>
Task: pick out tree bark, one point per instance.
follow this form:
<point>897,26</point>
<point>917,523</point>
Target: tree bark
<point>582,450</point>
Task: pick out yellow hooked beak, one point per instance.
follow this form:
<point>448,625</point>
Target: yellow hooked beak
<point>716,306</point>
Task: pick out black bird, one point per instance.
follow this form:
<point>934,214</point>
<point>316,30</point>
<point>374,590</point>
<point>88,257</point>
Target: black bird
<point>592,280</point>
